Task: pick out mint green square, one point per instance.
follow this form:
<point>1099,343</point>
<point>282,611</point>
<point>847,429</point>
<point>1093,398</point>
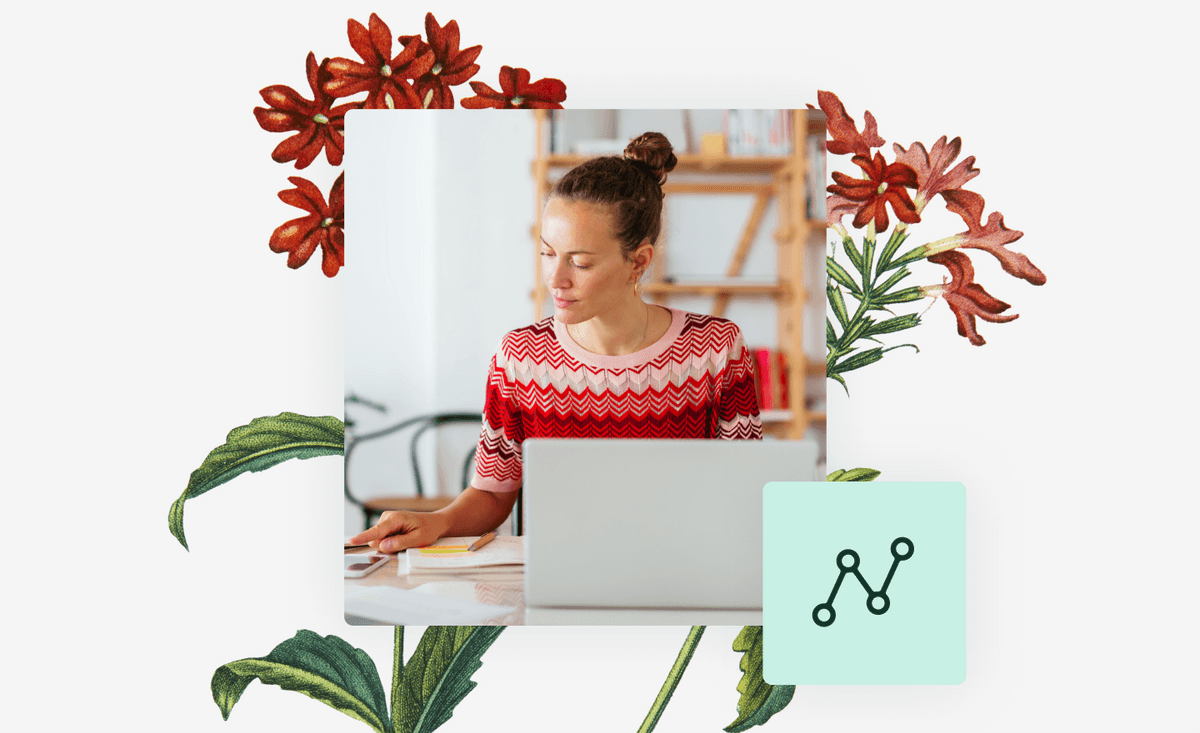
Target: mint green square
<point>920,638</point>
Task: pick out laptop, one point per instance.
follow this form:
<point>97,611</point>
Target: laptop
<point>651,523</point>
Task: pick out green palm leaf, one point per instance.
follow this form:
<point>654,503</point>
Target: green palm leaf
<point>759,701</point>
<point>325,668</point>
<point>265,442</point>
<point>854,474</point>
<point>438,675</point>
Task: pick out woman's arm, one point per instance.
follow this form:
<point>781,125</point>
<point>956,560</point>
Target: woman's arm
<point>473,512</point>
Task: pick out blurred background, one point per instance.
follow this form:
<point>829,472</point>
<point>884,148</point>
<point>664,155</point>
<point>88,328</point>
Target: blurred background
<point>442,214</point>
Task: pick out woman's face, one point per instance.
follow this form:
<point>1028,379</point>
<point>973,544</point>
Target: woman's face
<point>582,264</point>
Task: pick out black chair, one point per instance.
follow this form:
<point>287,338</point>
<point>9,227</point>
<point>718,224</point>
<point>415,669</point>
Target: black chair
<point>375,507</point>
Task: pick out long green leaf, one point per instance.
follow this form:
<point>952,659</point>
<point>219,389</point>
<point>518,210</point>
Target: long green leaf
<point>889,249</point>
<point>838,305</point>
<point>325,668</point>
<point>868,260</point>
<point>759,701</point>
<point>438,675</point>
<point>892,325</point>
<point>901,296</point>
<point>854,474</point>
<point>858,360</point>
<point>838,273</point>
<point>896,277</point>
<point>265,442</point>
<point>855,258</point>
<point>912,255</point>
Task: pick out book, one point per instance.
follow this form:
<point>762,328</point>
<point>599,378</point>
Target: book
<point>449,554</point>
<point>764,379</point>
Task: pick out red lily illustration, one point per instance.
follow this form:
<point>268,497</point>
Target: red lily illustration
<point>991,237</point>
<point>323,226</point>
<point>317,123</point>
<point>885,184</point>
<point>845,134</point>
<point>517,93</point>
<point>965,298</point>
<point>450,65</point>
<point>932,177</point>
<point>382,76</point>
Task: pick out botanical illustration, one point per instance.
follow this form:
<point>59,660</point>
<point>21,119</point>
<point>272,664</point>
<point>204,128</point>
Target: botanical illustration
<point>415,72</point>
<point>421,74</point>
<point>905,186</point>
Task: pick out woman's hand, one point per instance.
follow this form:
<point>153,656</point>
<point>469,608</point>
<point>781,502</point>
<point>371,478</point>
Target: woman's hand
<point>397,531</point>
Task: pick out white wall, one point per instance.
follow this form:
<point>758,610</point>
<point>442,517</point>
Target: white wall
<point>439,208</point>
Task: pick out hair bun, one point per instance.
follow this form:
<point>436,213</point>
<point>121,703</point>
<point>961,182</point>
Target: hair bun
<point>654,151</point>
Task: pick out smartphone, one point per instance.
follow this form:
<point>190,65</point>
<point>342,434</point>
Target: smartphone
<point>361,564</point>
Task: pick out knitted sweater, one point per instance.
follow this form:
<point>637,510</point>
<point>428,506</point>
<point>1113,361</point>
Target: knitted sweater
<point>695,382</point>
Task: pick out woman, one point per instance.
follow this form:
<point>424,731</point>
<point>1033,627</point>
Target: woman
<point>608,364</point>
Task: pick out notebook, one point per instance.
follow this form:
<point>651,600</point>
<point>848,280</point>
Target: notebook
<point>651,523</point>
<point>449,555</point>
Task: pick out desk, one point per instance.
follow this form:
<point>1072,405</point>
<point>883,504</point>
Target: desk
<point>505,588</point>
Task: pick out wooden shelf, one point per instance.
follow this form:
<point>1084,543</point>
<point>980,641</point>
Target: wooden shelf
<point>692,163</point>
<point>782,179</point>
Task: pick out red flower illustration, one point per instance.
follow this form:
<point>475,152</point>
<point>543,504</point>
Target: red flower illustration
<point>450,66</point>
<point>317,123</point>
<point>517,93</point>
<point>837,207</point>
<point>966,299</point>
<point>991,237</point>
<point>845,134</point>
<point>381,75</point>
<point>932,177</point>
<point>885,183</point>
<point>323,226</point>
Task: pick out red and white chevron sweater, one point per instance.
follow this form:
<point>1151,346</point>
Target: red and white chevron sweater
<point>697,381</point>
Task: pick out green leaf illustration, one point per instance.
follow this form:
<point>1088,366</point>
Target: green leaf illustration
<point>265,442</point>
<point>879,290</point>
<point>854,474</point>
<point>855,258</point>
<point>759,701</point>
<point>438,675</point>
<point>838,273</point>
<point>838,304</point>
<point>325,668</point>
<point>906,295</point>
<point>889,250</point>
<point>892,325</point>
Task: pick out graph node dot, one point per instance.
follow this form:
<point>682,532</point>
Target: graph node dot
<point>878,603</point>
<point>847,560</point>
<point>902,548</point>
<point>823,614</point>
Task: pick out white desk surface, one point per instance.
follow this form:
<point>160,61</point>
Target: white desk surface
<point>508,589</point>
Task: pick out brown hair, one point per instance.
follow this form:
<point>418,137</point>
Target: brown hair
<point>630,186</point>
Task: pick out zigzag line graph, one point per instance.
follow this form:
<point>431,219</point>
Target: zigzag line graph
<point>877,601</point>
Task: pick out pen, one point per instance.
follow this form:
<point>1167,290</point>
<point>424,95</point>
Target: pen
<point>481,541</point>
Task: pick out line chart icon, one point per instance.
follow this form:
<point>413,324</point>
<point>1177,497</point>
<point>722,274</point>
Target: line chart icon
<point>914,628</point>
<point>878,601</point>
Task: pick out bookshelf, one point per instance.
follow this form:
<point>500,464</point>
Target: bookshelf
<point>785,184</point>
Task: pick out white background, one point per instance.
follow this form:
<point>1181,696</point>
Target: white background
<point>145,317</point>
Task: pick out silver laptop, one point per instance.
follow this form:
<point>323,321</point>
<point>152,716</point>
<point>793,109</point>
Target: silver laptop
<point>651,523</point>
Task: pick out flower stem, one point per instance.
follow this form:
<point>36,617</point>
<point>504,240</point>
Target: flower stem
<point>397,672</point>
<point>668,688</point>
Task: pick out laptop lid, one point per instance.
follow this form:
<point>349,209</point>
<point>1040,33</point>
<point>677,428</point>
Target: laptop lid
<point>651,523</point>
